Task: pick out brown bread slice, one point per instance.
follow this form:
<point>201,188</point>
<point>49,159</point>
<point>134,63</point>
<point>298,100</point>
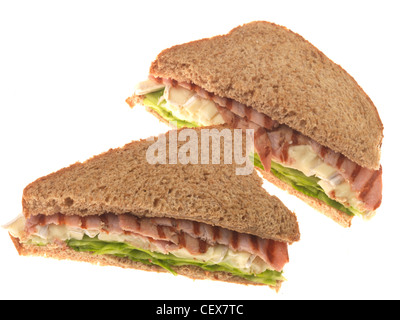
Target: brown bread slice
<point>279,73</point>
<point>122,181</point>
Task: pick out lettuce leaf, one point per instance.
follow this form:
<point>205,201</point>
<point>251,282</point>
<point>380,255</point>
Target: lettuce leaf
<point>152,99</point>
<point>306,185</point>
<point>166,261</point>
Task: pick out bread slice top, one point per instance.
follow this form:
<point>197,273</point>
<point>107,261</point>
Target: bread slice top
<point>122,181</point>
<point>279,73</point>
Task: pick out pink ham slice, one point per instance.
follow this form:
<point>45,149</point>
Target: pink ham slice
<point>261,141</point>
<point>170,234</point>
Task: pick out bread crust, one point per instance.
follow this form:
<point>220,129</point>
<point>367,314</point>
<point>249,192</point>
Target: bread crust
<point>279,73</point>
<point>66,253</point>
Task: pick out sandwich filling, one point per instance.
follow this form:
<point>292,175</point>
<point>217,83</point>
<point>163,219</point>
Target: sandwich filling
<point>165,242</point>
<point>307,166</point>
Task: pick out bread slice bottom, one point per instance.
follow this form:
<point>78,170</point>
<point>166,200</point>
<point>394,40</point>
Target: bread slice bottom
<point>336,215</point>
<point>65,253</point>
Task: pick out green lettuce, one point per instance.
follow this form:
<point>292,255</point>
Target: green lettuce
<point>152,99</point>
<point>306,185</point>
<point>166,261</point>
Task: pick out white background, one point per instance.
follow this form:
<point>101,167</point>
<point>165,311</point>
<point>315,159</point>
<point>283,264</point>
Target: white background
<point>66,68</point>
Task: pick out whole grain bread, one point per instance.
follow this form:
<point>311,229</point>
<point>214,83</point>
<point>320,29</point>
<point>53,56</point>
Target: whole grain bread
<point>65,253</point>
<point>279,73</point>
<point>122,181</point>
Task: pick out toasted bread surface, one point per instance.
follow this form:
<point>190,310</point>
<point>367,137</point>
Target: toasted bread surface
<point>279,73</point>
<point>122,181</point>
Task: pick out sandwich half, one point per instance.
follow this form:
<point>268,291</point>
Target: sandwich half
<point>317,134</point>
<point>200,220</point>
